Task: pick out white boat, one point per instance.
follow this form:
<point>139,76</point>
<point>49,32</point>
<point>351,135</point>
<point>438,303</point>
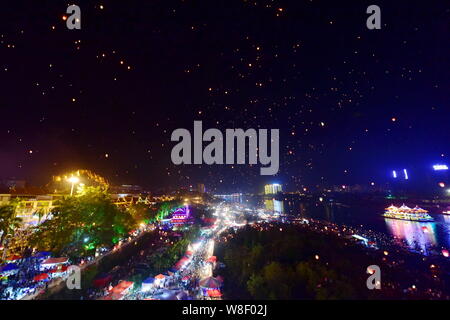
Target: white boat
<point>406,213</point>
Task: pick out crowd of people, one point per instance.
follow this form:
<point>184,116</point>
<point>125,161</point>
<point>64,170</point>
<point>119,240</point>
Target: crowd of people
<point>21,282</point>
<point>182,283</point>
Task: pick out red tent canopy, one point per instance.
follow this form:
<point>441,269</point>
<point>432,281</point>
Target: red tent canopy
<point>189,253</point>
<point>40,277</point>
<point>210,282</point>
<point>214,293</point>
<point>181,262</point>
<point>122,287</point>
<point>160,276</point>
<point>112,296</point>
<point>186,278</point>
<point>210,220</point>
<point>212,259</point>
<point>59,269</point>
<point>56,260</point>
<point>13,258</point>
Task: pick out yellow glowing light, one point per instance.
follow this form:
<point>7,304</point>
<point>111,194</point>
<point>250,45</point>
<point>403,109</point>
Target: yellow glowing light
<point>73,179</point>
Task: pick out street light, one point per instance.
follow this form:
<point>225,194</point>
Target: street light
<point>73,180</point>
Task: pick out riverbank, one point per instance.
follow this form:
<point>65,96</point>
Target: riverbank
<point>319,260</point>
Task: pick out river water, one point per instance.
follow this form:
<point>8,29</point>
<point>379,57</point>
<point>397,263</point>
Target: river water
<point>417,235</point>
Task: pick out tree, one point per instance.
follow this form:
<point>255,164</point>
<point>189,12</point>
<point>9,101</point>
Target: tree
<point>165,208</point>
<point>141,212</point>
<point>8,222</point>
<point>40,213</point>
<point>80,224</point>
<point>257,287</point>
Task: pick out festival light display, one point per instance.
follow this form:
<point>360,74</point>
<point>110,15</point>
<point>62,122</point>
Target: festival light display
<point>440,167</point>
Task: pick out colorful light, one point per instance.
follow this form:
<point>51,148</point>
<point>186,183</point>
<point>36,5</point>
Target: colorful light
<point>440,167</point>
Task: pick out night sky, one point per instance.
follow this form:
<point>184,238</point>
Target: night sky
<point>351,103</point>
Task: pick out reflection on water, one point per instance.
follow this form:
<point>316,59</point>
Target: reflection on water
<point>418,235</point>
<point>274,206</point>
<point>446,227</point>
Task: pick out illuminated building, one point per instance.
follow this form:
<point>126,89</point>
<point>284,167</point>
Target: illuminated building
<point>440,167</point>
<point>272,188</point>
<point>59,184</point>
<point>163,198</point>
<point>181,216</point>
<point>234,197</point>
<point>274,206</point>
<point>404,175</point>
<point>201,188</point>
<point>32,209</point>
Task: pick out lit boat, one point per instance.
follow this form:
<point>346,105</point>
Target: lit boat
<point>406,213</point>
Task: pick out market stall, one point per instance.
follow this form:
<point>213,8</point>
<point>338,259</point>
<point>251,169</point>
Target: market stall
<point>148,284</point>
<point>53,262</point>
